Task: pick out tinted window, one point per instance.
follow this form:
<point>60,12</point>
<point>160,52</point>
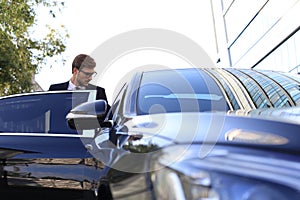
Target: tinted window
<point>39,113</point>
<point>189,90</point>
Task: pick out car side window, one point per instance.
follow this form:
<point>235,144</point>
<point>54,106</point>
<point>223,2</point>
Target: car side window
<point>115,108</point>
<point>39,113</point>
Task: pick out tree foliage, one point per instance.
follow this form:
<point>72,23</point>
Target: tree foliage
<point>22,54</point>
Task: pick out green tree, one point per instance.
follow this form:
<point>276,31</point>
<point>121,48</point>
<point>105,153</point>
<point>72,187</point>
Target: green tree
<point>21,54</point>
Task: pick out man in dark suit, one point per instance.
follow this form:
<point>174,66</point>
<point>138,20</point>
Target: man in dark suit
<point>83,70</point>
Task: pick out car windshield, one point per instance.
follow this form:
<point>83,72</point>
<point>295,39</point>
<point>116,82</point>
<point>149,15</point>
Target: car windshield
<point>179,91</point>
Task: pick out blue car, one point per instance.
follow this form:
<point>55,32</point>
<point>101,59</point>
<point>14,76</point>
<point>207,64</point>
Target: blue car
<point>200,133</point>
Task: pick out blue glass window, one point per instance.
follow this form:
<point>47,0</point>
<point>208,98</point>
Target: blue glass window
<point>179,91</point>
<point>39,112</point>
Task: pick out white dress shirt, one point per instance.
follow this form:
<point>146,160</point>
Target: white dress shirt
<point>71,86</point>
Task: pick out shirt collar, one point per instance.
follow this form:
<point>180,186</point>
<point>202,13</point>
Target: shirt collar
<point>71,86</point>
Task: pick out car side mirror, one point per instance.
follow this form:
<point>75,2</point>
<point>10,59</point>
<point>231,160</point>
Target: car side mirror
<point>88,115</point>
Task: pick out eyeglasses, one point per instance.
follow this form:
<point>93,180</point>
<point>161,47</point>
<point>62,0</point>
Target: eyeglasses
<point>89,74</point>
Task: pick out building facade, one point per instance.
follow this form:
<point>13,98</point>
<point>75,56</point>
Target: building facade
<point>260,34</point>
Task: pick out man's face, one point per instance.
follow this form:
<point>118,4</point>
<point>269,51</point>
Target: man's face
<point>84,76</point>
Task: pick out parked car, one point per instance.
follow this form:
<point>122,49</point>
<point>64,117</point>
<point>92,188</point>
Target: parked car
<point>182,134</point>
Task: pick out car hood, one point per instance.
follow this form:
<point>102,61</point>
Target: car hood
<point>190,136</point>
<point>212,128</point>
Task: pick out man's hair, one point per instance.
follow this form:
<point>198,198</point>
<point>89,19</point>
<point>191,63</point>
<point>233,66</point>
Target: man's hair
<point>83,60</point>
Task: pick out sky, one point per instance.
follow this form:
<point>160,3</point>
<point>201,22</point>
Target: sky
<point>95,24</point>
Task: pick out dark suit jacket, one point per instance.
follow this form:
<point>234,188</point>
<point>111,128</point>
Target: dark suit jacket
<point>64,86</point>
